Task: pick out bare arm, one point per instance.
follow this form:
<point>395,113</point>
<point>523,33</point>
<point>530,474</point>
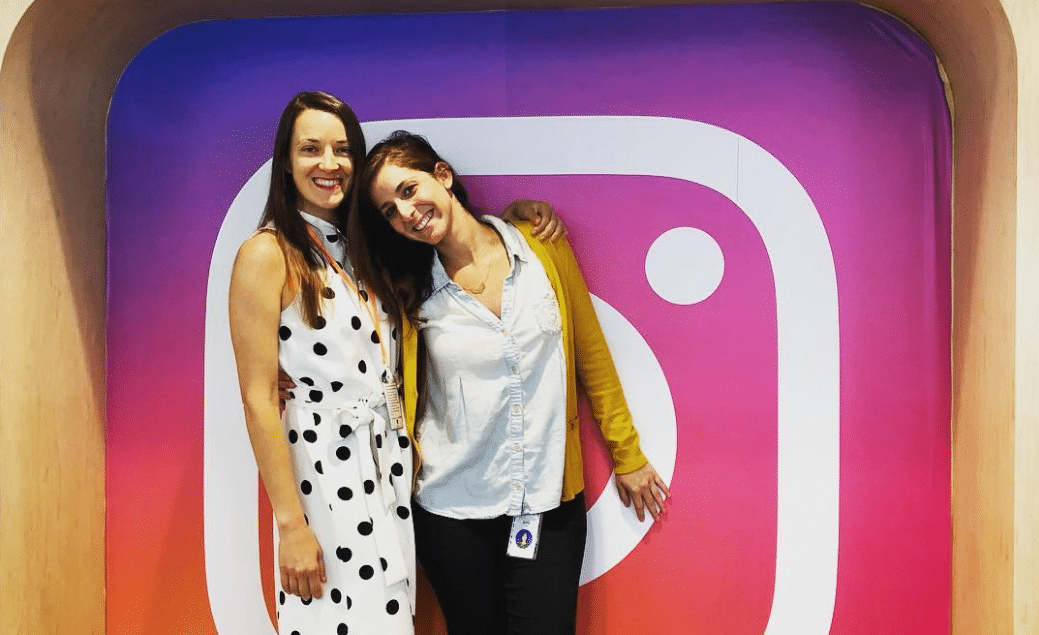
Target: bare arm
<point>257,281</point>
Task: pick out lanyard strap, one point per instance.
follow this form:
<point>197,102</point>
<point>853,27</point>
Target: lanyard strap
<point>363,297</point>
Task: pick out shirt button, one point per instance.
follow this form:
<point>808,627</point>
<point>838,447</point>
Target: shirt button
<point>516,486</point>
<point>516,409</point>
<point>514,370</point>
<point>517,447</point>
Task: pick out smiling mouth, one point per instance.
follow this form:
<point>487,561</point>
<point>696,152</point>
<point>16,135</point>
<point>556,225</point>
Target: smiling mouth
<point>327,183</point>
<point>425,221</point>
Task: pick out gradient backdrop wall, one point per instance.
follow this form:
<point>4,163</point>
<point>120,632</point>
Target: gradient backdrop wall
<point>759,197</point>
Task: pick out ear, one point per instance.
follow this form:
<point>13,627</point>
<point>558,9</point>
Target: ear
<point>443,173</point>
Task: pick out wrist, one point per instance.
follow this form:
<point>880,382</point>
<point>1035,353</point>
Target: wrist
<point>293,522</point>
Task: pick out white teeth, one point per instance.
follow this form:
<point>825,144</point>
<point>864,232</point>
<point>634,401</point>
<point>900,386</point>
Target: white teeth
<point>425,221</point>
<point>327,182</point>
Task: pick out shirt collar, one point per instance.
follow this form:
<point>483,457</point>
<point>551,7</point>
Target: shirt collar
<point>330,235</point>
<point>515,247</point>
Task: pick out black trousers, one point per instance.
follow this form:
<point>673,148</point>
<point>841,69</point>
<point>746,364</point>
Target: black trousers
<point>484,592</point>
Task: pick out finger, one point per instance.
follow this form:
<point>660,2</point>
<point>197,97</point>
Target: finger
<point>290,585</point>
<point>314,582</point>
<point>622,492</point>
<point>321,566</point>
<point>549,230</point>
<point>652,505</point>
<point>285,581</point>
<point>304,586</point>
<point>662,486</point>
<point>661,502</point>
<point>640,511</point>
<point>560,232</point>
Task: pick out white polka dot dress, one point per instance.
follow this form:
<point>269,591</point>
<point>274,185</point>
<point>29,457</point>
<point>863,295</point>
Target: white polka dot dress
<point>353,471</point>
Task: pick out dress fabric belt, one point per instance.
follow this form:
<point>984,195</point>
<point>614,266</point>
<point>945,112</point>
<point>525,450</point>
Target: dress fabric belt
<point>378,454</point>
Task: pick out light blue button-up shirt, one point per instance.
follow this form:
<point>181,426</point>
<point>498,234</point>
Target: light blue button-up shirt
<point>493,434</point>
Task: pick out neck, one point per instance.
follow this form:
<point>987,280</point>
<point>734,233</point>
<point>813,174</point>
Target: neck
<point>322,213</point>
<point>468,241</point>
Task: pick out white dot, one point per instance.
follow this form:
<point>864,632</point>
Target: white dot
<point>684,265</point>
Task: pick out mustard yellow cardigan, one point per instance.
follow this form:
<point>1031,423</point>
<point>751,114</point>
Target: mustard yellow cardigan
<point>583,343</point>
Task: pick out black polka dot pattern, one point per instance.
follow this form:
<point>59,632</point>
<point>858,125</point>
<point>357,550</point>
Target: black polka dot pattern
<point>363,294</point>
<point>331,370</point>
<point>332,238</point>
<point>306,601</point>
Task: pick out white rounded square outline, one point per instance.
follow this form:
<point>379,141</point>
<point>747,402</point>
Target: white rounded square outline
<point>807,338</point>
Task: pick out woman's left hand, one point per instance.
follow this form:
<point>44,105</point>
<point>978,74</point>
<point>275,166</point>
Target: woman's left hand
<point>547,224</point>
<point>646,489</point>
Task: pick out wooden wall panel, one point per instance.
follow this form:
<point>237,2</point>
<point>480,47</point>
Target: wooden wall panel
<point>62,60</point>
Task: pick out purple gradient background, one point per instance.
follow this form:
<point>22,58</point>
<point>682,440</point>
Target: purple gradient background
<point>848,99</point>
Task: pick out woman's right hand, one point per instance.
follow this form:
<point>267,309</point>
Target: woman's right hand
<point>301,562</point>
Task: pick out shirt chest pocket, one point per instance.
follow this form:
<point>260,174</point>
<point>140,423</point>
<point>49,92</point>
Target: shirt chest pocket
<point>546,311</point>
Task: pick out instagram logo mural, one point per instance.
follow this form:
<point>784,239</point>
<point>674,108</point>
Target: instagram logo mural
<point>759,199</point>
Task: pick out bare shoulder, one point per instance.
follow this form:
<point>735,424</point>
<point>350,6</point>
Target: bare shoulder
<point>261,252</point>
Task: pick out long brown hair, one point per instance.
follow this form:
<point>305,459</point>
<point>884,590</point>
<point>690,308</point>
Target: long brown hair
<point>305,263</point>
<point>399,270</point>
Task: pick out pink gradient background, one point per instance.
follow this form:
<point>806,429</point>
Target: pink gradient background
<point>847,99</point>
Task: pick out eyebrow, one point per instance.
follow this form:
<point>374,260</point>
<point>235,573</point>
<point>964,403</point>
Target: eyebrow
<point>343,141</point>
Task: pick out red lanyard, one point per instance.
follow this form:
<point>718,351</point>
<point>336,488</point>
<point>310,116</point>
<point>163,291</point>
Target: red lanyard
<point>363,297</point>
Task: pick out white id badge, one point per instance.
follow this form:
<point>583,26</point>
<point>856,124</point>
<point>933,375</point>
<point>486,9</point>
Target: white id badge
<point>390,389</point>
<point>523,539</point>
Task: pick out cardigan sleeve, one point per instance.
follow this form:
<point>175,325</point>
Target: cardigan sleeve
<point>594,365</point>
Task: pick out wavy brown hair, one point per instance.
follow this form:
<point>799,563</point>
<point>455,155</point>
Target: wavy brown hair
<point>305,263</point>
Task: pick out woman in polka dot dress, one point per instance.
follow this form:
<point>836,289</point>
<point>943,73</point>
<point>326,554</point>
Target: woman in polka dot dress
<point>337,470</point>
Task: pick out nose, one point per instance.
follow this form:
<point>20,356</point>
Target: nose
<point>328,160</point>
<point>406,210</point>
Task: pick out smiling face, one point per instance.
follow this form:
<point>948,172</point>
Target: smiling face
<point>418,205</point>
<point>319,161</point>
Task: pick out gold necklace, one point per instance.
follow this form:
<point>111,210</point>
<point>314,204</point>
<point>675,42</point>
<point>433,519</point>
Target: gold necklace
<point>480,288</point>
